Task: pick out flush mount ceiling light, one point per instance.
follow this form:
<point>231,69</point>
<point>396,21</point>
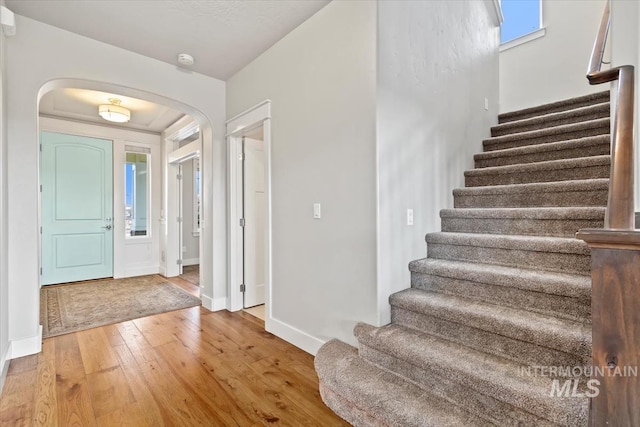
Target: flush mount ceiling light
<point>114,112</point>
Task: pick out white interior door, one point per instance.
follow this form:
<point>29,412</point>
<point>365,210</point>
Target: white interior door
<point>255,222</point>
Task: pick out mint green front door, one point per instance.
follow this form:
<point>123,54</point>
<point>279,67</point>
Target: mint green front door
<point>77,208</point>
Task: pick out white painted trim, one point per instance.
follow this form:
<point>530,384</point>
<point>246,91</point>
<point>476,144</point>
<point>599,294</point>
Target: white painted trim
<point>182,154</point>
<point>294,336</point>
<point>27,346</point>
<point>183,128</point>
<point>214,304</point>
<point>190,261</point>
<point>162,271</point>
<point>241,116</point>
<point>497,10</point>
<point>141,270</point>
<point>523,39</point>
<point>4,366</point>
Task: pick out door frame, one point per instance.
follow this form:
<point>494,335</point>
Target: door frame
<point>254,117</point>
<point>121,138</point>
<point>173,156</point>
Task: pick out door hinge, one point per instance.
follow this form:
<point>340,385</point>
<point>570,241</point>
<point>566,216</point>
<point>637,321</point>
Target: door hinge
<point>41,148</point>
<point>41,188</point>
<point>179,262</point>
<point>243,288</point>
<point>40,230</point>
<point>179,176</point>
<point>41,271</point>
<point>242,222</point>
<point>179,219</point>
<point>241,157</point>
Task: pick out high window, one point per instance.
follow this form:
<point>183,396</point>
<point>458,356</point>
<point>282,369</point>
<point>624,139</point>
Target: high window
<point>521,18</point>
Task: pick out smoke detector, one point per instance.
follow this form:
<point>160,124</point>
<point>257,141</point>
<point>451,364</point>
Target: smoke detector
<point>185,59</point>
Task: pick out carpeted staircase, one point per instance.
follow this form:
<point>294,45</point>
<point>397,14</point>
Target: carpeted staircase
<point>505,285</point>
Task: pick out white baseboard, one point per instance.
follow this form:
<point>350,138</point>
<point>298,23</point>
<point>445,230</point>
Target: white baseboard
<point>4,365</point>
<point>214,304</point>
<point>294,336</point>
<point>27,346</point>
<point>141,270</point>
<point>162,271</point>
<point>190,261</point>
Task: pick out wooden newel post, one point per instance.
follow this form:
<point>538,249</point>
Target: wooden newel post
<point>615,312</point>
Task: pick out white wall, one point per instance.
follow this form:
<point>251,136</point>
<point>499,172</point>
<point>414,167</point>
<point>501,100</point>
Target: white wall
<point>42,55</point>
<point>437,62</point>
<point>321,81</point>
<point>552,67</point>
<point>4,287</point>
<point>624,38</point>
<point>133,256</point>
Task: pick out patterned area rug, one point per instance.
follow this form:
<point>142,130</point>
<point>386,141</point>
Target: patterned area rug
<point>75,307</point>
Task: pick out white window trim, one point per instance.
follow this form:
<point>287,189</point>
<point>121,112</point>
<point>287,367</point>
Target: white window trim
<point>540,32</point>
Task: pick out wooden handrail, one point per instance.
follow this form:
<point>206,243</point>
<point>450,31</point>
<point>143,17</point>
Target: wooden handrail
<point>620,213</point>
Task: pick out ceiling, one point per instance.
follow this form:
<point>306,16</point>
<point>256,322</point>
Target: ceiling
<point>82,105</point>
<point>222,35</point>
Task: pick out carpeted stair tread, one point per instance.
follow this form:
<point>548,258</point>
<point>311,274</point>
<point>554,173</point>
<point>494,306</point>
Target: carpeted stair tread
<point>587,192</point>
<point>574,148</point>
<point>547,171</point>
<point>505,286</point>
<point>561,295</point>
<point>580,114</point>
<point>572,285</point>
<point>530,243</point>
<point>543,136</point>
<point>560,222</point>
<point>546,331</point>
<point>369,395</point>
<point>552,107</point>
<point>584,212</point>
<point>481,373</point>
<point>546,253</point>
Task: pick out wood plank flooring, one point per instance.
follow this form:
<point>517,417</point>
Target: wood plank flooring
<point>182,368</point>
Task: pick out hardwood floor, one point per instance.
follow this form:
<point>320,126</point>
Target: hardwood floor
<point>182,368</point>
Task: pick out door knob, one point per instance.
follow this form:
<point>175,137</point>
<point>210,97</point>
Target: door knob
<point>107,227</point>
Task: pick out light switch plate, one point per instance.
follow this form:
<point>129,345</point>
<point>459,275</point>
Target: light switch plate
<point>317,212</point>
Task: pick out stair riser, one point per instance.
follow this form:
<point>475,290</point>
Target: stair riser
<point>578,309</point>
<point>549,261</point>
<point>554,108</point>
<point>599,113</point>
<point>519,350</point>
<point>515,226</point>
<point>526,177</point>
<point>543,139</point>
<point>544,156</point>
<point>529,200</point>
<point>462,391</point>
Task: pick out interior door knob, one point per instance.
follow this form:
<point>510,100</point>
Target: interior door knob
<point>107,227</point>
